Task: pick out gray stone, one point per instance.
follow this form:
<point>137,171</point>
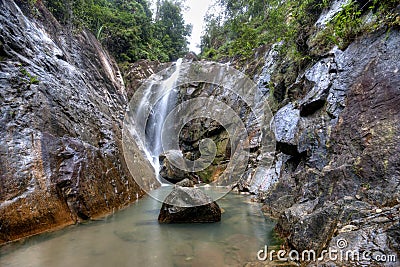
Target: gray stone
<point>285,124</point>
<point>185,183</point>
<point>264,79</point>
<point>309,228</point>
<point>321,75</point>
<point>265,177</point>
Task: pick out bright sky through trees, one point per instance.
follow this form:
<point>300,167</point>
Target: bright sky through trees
<point>195,15</point>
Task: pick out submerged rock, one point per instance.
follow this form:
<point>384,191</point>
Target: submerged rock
<point>189,205</point>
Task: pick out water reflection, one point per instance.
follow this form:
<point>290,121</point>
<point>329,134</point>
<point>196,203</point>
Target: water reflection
<point>133,237</point>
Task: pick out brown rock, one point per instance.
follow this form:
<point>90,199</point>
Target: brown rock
<point>61,156</point>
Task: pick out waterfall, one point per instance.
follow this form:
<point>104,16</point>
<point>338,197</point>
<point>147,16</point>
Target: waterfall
<point>154,125</point>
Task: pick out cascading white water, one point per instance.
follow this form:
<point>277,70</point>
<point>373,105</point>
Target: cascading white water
<point>158,114</point>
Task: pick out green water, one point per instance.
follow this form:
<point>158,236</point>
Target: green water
<point>133,237</point>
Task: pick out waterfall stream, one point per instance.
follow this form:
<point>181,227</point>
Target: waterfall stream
<point>159,112</point>
<point>133,237</point>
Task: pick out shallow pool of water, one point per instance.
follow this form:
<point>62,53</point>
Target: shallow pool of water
<point>133,237</point>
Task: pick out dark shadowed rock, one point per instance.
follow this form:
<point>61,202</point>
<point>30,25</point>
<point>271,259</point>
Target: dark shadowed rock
<point>308,227</point>
<point>189,205</point>
<point>189,57</point>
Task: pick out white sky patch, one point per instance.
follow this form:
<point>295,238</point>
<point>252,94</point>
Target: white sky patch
<point>194,15</point>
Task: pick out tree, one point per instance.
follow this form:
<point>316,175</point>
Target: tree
<point>126,27</point>
<point>245,25</point>
<point>171,29</point>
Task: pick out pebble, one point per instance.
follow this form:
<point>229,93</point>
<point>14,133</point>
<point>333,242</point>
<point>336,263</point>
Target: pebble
<point>348,228</point>
<point>378,210</point>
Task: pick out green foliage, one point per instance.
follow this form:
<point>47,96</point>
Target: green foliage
<point>246,25</point>
<point>171,30</point>
<point>246,41</point>
<point>250,24</point>
<point>349,22</point>
<point>126,27</point>
<point>346,25</point>
<point>28,78</point>
<point>32,2</point>
<point>386,12</point>
<point>343,28</point>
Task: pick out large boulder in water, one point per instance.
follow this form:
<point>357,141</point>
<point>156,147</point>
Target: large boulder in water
<point>189,205</point>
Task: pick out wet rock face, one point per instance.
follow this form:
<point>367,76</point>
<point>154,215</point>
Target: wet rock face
<point>340,179</point>
<point>62,102</point>
<point>285,125</point>
<point>194,132</point>
<point>189,205</point>
<point>136,73</point>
